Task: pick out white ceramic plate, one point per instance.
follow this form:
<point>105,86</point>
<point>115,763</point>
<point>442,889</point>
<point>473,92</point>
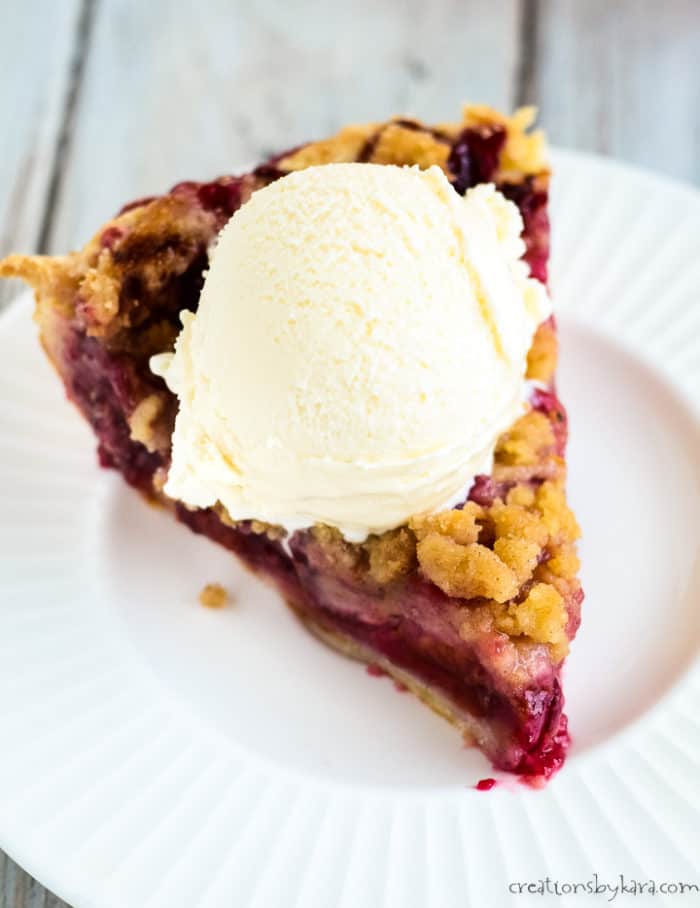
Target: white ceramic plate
<point>155,753</point>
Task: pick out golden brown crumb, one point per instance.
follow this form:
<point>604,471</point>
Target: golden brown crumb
<point>54,277</point>
<point>524,442</point>
<point>514,520</point>
<point>156,242</point>
<point>521,555</point>
<point>541,617</point>
<point>344,147</point>
<point>460,525</point>
<point>566,586</point>
<point>525,150</point>
<point>550,501</point>
<point>345,555</point>
<point>522,495</point>
<point>400,145</point>
<point>542,356</point>
<point>213,595</point>
<point>466,571</point>
<point>160,477</point>
<point>143,419</point>
<point>391,555</point>
<point>272,530</point>
<point>564,562</point>
<point>530,536</point>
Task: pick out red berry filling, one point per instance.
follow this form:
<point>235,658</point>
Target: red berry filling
<point>474,156</point>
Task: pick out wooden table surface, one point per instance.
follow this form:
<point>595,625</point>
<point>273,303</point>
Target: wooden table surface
<point>108,100</point>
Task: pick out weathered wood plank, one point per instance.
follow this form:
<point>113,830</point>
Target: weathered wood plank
<point>19,890</point>
<point>169,96</point>
<point>622,78</point>
<point>36,46</point>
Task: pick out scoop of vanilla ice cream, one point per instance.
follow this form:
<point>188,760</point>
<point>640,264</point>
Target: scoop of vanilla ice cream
<point>359,345</point>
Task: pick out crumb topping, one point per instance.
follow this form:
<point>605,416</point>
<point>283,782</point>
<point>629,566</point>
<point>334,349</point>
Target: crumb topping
<point>541,616</point>
<point>514,520</point>
<point>542,357</point>
<point>514,562</point>
<point>214,595</point>
<point>400,145</point>
<point>391,555</point>
<point>342,148</point>
<point>347,556</point>
<point>407,142</point>
<point>271,530</point>
<point>521,555</point>
<point>558,518</point>
<point>523,495</point>
<point>144,420</point>
<point>530,538</point>
<point>564,562</point>
<point>459,524</point>
<point>465,571</point>
<point>524,442</point>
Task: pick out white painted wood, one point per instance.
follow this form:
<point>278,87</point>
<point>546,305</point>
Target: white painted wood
<point>19,890</point>
<point>36,42</point>
<point>178,91</point>
<point>623,77</point>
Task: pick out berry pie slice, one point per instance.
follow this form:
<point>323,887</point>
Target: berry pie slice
<point>471,607</point>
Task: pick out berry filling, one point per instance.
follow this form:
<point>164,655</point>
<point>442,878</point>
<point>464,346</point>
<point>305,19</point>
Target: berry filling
<point>474,156</point>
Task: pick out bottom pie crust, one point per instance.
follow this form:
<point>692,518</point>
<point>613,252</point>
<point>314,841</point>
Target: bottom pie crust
<point>474,732</point>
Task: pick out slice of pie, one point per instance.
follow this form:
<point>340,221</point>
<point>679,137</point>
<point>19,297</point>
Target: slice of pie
<point>472,608</point>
